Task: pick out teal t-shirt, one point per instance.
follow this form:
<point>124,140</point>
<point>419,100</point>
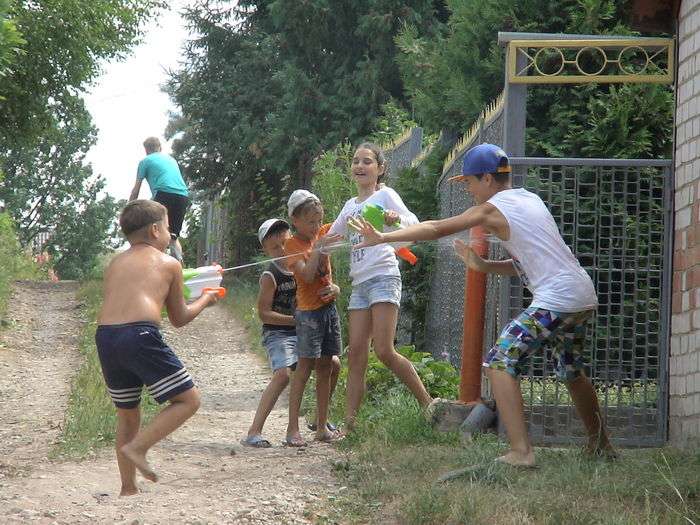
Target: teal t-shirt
<point>162,173</point>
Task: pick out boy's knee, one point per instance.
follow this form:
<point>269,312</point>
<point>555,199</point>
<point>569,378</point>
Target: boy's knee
<point>324,364</point>
<point>386,355</point>
<point>281,375</point>
<point>190,398</point>
<point>335,364</point>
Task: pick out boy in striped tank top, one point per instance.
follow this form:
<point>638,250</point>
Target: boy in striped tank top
<point>276,304</point>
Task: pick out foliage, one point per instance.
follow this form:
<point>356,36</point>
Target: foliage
<point>262,96</point>
<point>65,41</point>
<point>417,188</point>
<point>11,40</point>
<point>45,130</point>
<point>14,263</point>
<point>449,78</point>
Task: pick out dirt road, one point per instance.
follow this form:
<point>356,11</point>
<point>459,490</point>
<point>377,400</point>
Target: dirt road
<point>207,477</point>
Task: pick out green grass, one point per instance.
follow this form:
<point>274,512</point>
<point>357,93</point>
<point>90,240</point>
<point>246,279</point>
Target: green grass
<point>91,416</point>
<point>550,391</point>
<point>15,263</point>
<point>393,459</point>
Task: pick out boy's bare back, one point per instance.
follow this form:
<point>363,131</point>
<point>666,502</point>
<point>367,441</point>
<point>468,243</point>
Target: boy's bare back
<point>138,283</point>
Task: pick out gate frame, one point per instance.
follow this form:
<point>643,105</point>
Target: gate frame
<point>518,62</point>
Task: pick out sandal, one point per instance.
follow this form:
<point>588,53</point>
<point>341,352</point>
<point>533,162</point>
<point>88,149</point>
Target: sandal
<point>256,441</point>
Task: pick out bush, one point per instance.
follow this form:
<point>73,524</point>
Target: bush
<point>14,262</point>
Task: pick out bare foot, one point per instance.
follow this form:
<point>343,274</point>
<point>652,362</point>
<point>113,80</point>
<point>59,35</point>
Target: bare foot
<point>606,451</point>
<point>327,436</point>
<point>139,460</point>
<point>518,459</point>
<point>295,440</point>
<point>129,491</point>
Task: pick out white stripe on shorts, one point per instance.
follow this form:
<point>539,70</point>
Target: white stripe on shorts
<point>168,378</point>
<point>166,385</point>
<point>174,385</point>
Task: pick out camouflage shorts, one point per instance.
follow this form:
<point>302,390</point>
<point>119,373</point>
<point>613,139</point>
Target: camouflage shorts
<point>563,333</point>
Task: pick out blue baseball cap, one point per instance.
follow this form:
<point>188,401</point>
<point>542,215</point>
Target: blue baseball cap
<point>484,158</point>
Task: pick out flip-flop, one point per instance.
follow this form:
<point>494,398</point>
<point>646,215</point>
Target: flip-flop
<point>330,426</point>
<point>296,443</point>
<point>255,441</point>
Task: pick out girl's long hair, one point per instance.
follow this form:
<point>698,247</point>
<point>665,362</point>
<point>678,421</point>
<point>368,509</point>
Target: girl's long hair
<point>381,159</point>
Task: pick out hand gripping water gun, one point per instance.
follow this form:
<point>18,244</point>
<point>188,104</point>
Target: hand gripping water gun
<point>374,214</point>
<point>201,280</point>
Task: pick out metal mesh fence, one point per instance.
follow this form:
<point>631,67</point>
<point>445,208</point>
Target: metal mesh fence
<point>615,216</point>
<point>400,154</point>
<point>444,323</point>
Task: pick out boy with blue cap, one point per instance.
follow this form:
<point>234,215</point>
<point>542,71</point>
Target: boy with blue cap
<point>563,295</point>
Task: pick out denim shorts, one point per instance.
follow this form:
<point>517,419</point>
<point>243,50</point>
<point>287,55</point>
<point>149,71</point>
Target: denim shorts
<point>133,355</point>
<point>281,346</point>
<point>379,289</point>
<point>318,332</point>
<point>563,334</point>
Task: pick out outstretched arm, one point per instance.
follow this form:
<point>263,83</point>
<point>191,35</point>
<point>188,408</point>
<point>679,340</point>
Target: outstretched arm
<point>485,215</point>
<point>179,312</point>
<point>307,269</point>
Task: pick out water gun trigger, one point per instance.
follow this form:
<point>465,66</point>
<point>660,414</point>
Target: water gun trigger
<point>220,291</point>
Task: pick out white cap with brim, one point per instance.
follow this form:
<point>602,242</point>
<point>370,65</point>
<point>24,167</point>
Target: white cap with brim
<point>299,197</point>
<point>265,227</point>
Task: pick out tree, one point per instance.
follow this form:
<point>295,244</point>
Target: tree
<point>45,130</point>
<point>450,78</point>
<point>261,95</point>
<point>11,40</point>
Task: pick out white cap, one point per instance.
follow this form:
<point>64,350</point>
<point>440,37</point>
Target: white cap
<point>265,227</point>
<point>297,198</point>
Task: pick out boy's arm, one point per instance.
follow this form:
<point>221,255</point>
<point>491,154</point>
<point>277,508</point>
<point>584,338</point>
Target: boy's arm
<point>476,262</point>
<point>307,270</point>
<point>135,191</point>
<point>179,312</point>
<point>266,295</point>
<point>485,215</point>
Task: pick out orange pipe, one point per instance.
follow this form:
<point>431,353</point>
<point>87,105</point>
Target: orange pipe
<point>474,313</point>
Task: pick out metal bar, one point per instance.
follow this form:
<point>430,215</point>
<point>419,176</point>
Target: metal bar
<point>611,43</point>
<point>666,78</point>
<point>509,36</point>
<point>665,317</point>
<point>542,161</point>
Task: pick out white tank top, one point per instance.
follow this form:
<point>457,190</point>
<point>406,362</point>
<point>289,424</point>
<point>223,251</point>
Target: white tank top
<point>545,263</point>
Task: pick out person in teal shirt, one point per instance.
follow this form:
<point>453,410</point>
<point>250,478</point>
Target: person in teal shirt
<point>167,187</point>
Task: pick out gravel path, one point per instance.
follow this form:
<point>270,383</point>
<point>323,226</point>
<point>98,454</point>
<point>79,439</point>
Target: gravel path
<point>207,477</point>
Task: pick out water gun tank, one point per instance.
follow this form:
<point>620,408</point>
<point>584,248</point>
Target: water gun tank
<point>374,214</point>
<point>203,279</point>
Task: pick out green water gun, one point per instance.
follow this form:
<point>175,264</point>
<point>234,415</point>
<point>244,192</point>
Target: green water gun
<point>201,280</point>
<point>374,214</point>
